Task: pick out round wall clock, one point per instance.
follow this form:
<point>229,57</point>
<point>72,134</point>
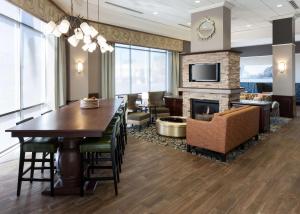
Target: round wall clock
<point>206,28</point>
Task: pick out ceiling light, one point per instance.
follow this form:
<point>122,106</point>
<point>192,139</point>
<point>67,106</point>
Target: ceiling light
<point>248,25</point>
<point>188,23</point>
<point>155,13</point>
<point>197,1</point>
<point>82,31</point>
<point>279,5</point>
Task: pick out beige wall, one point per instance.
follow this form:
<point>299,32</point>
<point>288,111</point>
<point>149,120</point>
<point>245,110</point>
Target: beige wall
<point>221,40</point>
<point>78,82</point>
<point>94,71</point>
<point>284,83</point>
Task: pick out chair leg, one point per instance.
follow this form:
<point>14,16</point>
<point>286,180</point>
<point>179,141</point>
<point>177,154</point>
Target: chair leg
<point>188,148</point>
<point>32,166</point>
<point>117,166</point>
<point>43,162</point>
<point>52,173</point>
<point>21,166</point>
<point>114,169</point>
<point>82,175</point>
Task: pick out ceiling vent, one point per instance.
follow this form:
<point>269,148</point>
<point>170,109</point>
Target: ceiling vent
<point>294,4</point>
<point>124,8</point>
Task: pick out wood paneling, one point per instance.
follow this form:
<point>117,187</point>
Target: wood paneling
<point>175,105</point>
<point>287,105</point>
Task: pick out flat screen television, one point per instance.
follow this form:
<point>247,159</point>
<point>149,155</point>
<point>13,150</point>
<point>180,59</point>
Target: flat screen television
<point>204,72</point>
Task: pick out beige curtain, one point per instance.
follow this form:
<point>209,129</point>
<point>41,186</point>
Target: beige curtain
<point>60,73</point>
<point>107,75</point>
<point>174,80</point>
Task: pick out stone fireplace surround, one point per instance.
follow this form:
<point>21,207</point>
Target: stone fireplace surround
<point>226,90</point>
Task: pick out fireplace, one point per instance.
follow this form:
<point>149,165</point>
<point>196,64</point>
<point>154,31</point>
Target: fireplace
<point>201,108</point>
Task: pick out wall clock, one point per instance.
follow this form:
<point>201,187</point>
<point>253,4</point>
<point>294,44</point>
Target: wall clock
<point>206,29</point>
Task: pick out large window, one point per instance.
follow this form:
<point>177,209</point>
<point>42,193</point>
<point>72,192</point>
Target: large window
<point>140,69</point>
<point>22,69</point>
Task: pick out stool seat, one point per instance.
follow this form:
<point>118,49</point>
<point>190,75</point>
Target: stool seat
<point>41,144</point>
<point>138,116</point>
<point>96,145</point>
<point>161,109</point>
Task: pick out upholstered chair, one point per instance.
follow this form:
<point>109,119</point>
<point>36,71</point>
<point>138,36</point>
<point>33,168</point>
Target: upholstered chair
<point>131,100</point>
<point>157,106</point>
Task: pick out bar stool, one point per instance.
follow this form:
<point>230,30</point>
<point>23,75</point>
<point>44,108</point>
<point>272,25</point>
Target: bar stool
<point>106,144</point>
<point>36,145</point>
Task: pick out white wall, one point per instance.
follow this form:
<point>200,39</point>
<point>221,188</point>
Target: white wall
<point>284,83</point>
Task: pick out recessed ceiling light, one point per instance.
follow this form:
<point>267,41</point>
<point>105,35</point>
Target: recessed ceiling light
<point>197,1</point>
<point>188,23</point>
<point>279,5</point>
<point>155,13</point>
<point>248,25</point>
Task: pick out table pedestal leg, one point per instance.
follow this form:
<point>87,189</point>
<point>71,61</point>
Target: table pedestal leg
<point>68,162</point>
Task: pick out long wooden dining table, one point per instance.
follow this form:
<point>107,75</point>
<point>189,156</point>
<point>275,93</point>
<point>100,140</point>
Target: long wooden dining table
<point>71,124</point>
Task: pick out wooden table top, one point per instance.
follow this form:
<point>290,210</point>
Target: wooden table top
<point>70,121</point>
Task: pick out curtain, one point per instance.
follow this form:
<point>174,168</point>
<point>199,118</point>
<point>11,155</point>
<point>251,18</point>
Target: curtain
<point>107,75</point>
<point>60,73</point>
<point>174,80</point>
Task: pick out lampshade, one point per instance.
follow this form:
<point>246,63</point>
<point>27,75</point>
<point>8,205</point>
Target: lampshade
<point>73,41</point>
<point>92,47</point>
<point>64,25</point>
<point>110,48</point>
<point>85,28</point>
<point>87,39</point>
<point>101,39</point>
<point>103,49</point>
<point>85,47</point>
<point>56,32</point>
<point>78,33</point>
<point>50,27</point>
<point>93,31</point>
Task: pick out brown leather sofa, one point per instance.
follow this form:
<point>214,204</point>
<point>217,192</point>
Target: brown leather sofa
<point>225,131</point>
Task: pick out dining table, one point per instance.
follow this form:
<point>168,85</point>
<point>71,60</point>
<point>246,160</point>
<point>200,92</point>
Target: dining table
<point>71,124</point>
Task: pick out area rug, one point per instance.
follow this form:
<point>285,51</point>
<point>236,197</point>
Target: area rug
<point>148,134</point>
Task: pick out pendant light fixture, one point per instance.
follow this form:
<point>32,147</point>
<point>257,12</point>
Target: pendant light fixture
<point>82,31</point>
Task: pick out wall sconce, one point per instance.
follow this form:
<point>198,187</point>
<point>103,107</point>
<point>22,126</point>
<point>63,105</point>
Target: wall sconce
<point>79,67</point>
<point>282,67</point>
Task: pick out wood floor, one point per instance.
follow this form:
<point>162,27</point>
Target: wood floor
<point>157,179</point>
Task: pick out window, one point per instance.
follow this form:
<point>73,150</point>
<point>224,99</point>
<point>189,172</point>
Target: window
<point>22,69</point>
<point>140,69</point>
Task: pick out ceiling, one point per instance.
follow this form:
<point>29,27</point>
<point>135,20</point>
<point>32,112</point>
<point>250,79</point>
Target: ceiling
<point>250,18</point>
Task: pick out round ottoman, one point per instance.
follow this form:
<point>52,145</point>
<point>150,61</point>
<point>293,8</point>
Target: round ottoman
<point>172,126</point>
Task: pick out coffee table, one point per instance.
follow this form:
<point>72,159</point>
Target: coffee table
<point>172,126</point>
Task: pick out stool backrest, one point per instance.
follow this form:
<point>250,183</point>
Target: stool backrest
<point>23,121</point>
<point>115,133</point>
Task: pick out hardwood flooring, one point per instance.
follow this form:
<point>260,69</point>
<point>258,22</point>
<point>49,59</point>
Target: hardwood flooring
<point>157,179</point>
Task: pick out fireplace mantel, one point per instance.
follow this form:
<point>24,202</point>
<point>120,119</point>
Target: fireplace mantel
<point>212,90</point>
